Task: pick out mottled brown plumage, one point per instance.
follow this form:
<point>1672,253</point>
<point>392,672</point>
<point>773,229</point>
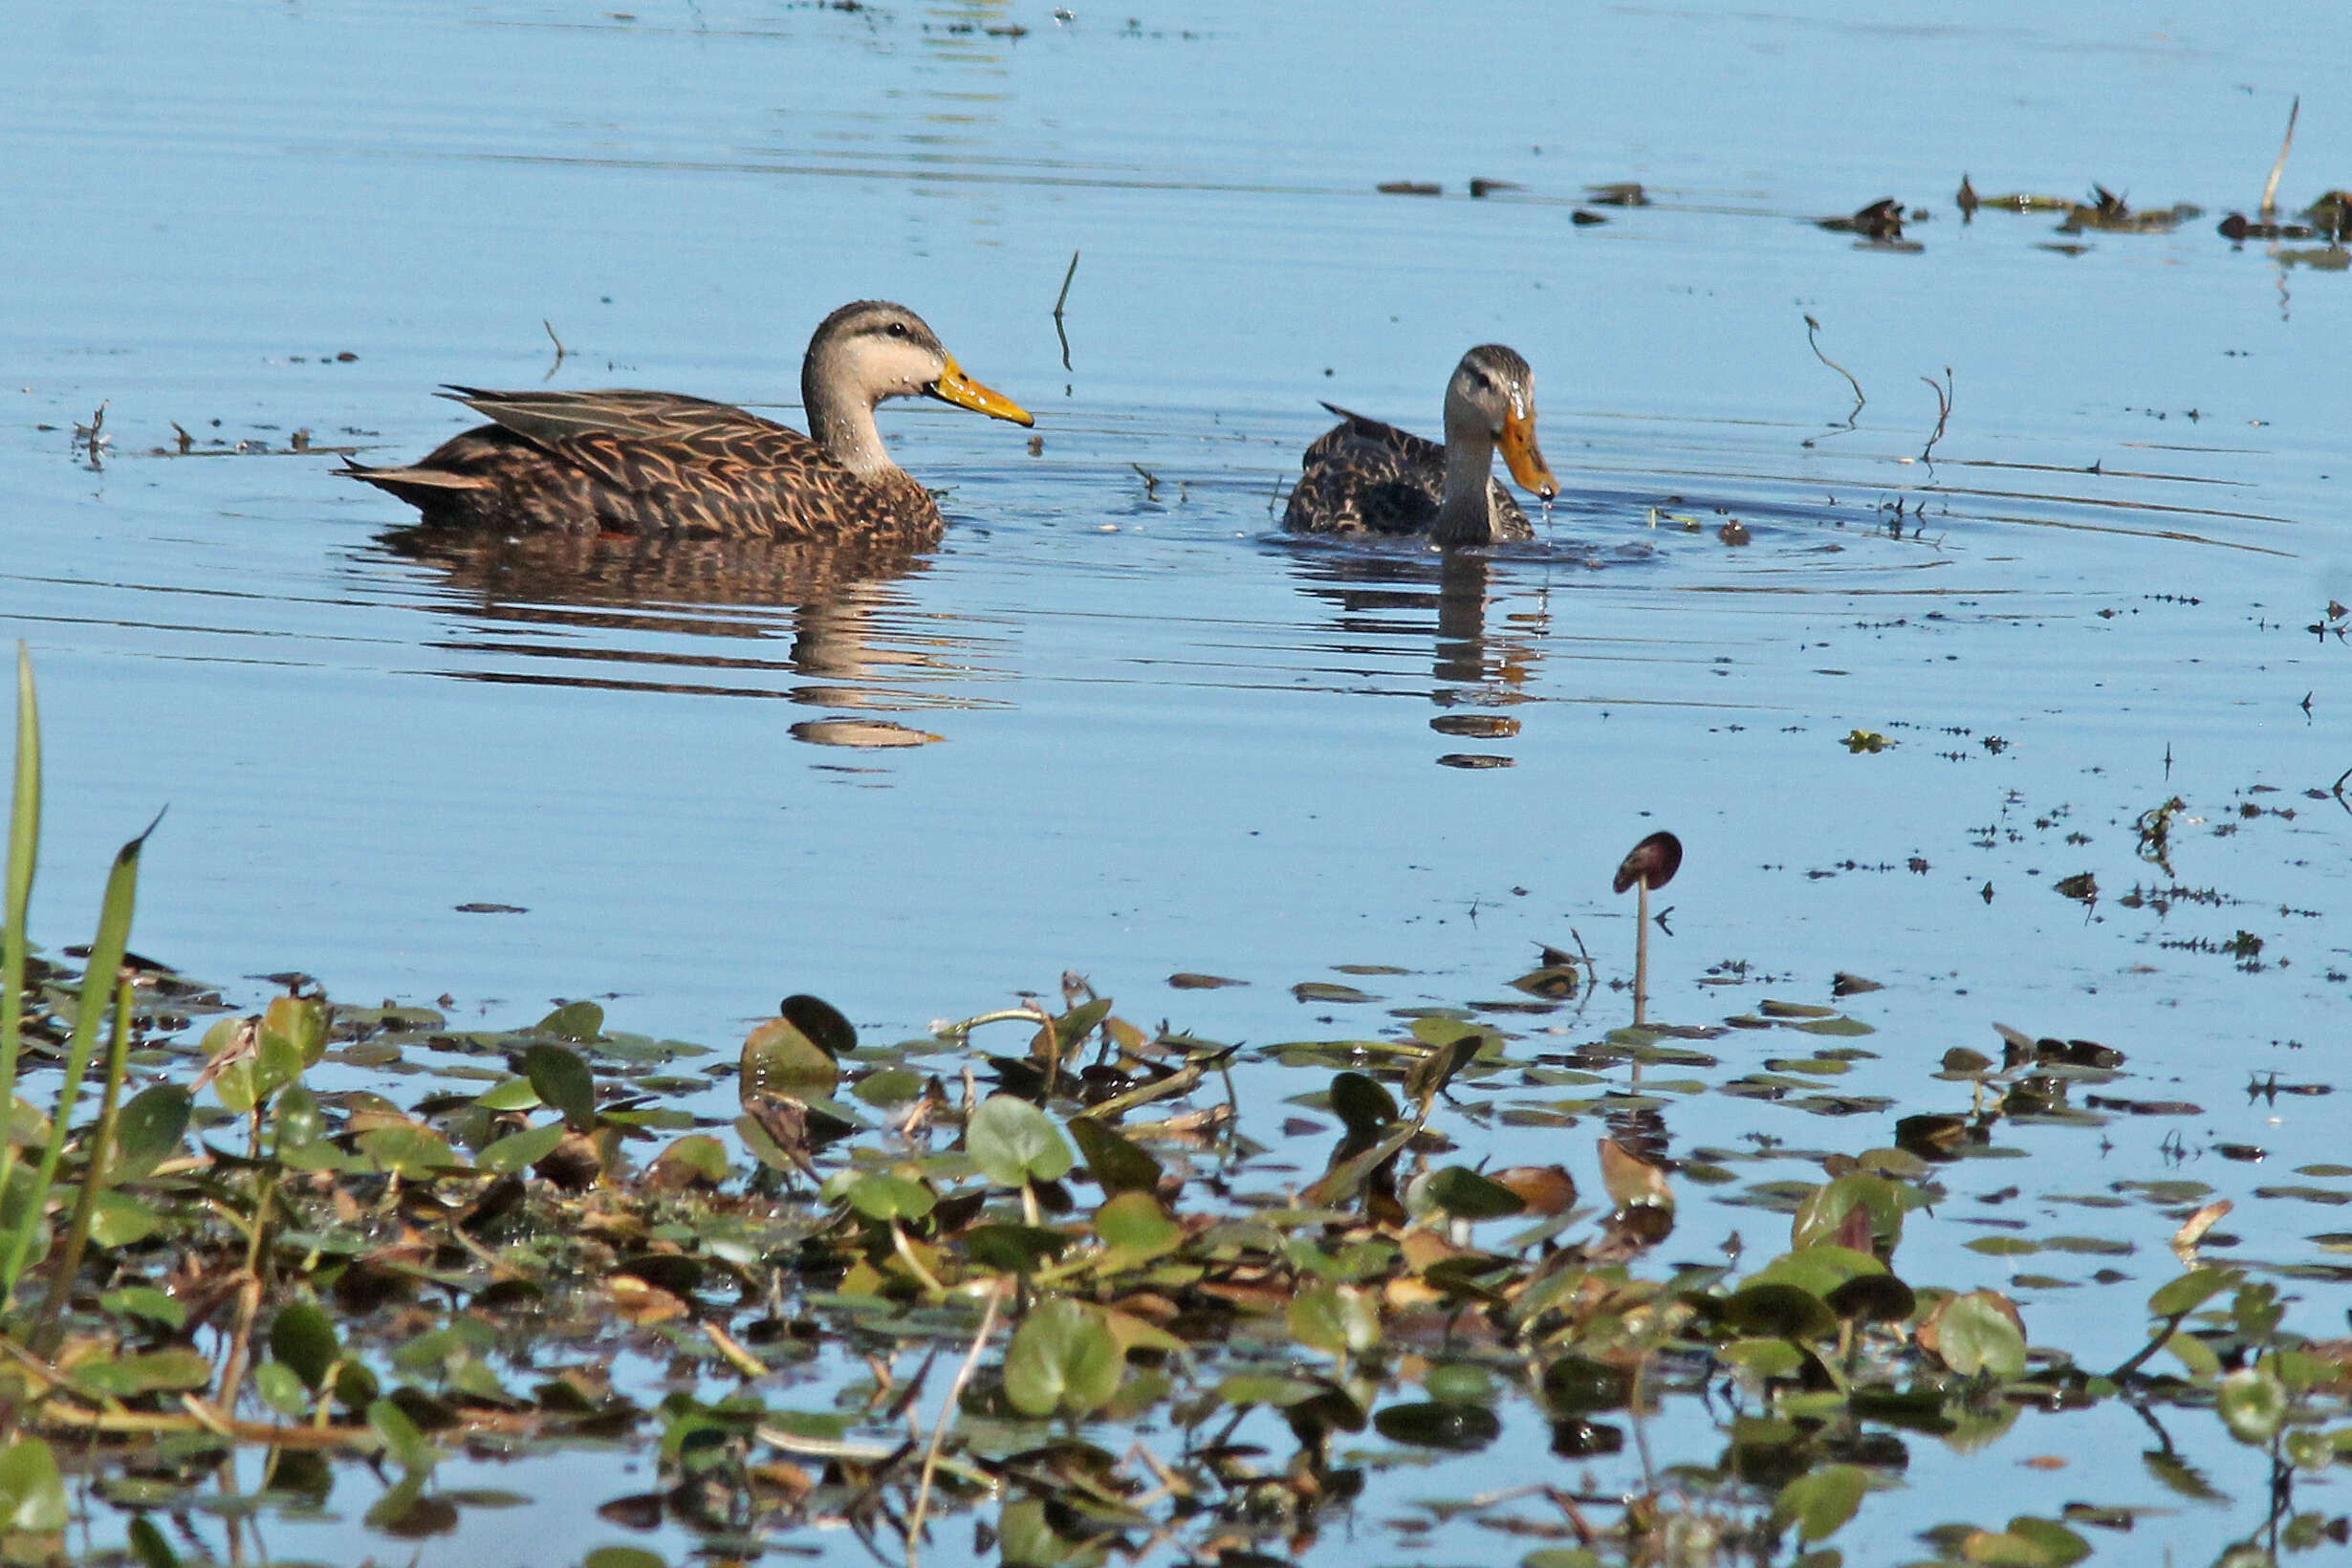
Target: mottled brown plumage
<point>1364,476</point>
<point>648,463</point>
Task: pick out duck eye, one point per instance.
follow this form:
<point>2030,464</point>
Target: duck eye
<point>898,329</point>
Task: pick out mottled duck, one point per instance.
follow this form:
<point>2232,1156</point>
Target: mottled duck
<point>1365,477</point>
<point>645,463</point>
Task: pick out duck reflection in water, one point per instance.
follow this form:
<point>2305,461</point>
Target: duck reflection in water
<point>691,615</point>
<point>1389,602</point>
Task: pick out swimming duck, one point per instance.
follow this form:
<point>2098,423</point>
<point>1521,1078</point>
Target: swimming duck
<point>1364,476</point>
<point>592,462</point>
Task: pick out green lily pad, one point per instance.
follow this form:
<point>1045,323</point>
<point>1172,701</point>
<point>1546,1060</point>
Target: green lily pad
<point>1014,1143</point>
<point>1063,1360</point>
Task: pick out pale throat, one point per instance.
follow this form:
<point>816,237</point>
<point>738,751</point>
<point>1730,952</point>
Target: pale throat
<point>844,426</point>
<point>850,436</point>
<point>1466,515</point>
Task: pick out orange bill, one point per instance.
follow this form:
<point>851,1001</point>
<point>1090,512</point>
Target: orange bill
<point>955,388</point>
<point>1525,457</point>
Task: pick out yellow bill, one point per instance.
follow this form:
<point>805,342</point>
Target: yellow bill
<point>1525,457</point>
<point>955,388</point>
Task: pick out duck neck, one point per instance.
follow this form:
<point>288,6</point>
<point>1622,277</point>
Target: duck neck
<point>842,424</point>
<point>1466,515</point>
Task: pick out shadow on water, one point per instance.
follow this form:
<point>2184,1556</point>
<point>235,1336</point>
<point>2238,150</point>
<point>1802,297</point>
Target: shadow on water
<point>842,605</point>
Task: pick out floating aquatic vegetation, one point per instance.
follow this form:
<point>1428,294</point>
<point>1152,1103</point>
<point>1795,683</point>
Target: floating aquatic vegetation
<point>2014,201</point>
<point>1625,193</point>
<point>2108,212</point>
<point>1880,221</point>
<point>1160,1329</point>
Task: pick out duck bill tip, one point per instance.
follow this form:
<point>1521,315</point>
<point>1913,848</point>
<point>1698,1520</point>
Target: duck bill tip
<point>1526,459</point>
<point>955,388</point>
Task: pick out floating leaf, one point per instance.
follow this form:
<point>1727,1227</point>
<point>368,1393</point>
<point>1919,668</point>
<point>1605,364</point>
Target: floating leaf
<point>1117,1164</point>
<point>293,1037</point>
<point>1632,1181</point>
<point>561,1078</point>
<point>406,1150</point>
<point>1841,1026</point>
<point>1014,1249</point>
<point>148,1131</point>
<point>2052,1545</point>
<point>881,1196</point>
<point>779,1061</point>
<point>1873,1299</point>
<point>696,1160</point>
<point>1764,1358</point>
<point>2195,1355</point>
<point>118,1219</point>
<point>1781,1311</point>
<point>890,1086</point>
<point>1577,1386</point>
<point>515,1094</point>
<point>624,1556</point>
<point>402,1443</point>
<point>1978,1332</point>
<point>303,1337</point>
<point>281,1389</point>
<point>126,1377</point>
<point>520,1150</point>
<point>1014,1143</point>
<point>1824,1214</point>
<point>1465,1194</point>
<point>1820,1502</point>
<point>2185,1294</point>
<point>1545,1191</point>
<point>33,1499</point>
<point>1456,1428</point>
<point>148,1302</point>
<point>581,1022</point>
<point>1460,1382</point>
<point>1137,1227</point>
<point>1362,1103</point>
<point>1062,1359</point>
<point>1327,992</point>
<point>1337,1320</point>
<point>822,1024</point>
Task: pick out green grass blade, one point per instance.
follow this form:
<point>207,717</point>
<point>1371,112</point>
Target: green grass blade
<point>98,986</point>
<point>24,844</point>
<point>96,1168</point>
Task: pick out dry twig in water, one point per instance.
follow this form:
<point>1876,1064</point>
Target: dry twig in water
<point>2270,191</point>
<point>1813,331</point>
<point>947,1408</point>
<point>1059,300</point>
<point>1942,411</point>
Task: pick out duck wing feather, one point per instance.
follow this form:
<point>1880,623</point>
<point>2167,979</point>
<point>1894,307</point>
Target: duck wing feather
<point>625,461</point>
